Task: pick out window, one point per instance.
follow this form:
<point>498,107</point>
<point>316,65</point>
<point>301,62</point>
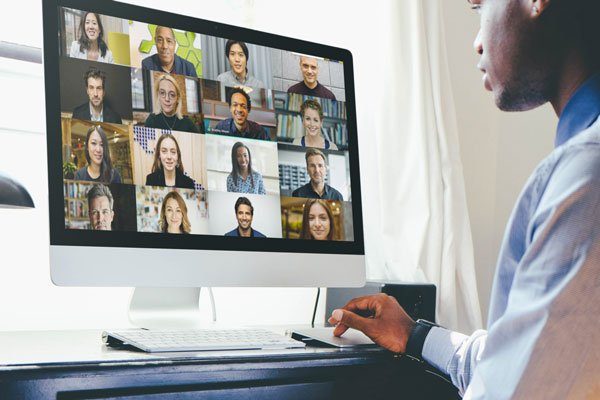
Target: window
<point>191,89</point>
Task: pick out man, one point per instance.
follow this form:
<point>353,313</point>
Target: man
<point>239,125</point>
<point>96,109</point>
<point>310,86</point>
<point>316,166</point>
<point>244,212</point>
<point>100,207</point>
<point>165,59</point>
<point>543,325</point>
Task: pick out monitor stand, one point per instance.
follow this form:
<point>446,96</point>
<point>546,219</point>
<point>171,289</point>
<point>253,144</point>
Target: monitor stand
<point>168,308</point>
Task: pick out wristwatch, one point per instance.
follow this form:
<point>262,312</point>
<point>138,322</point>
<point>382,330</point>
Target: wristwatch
<point>416,340</point>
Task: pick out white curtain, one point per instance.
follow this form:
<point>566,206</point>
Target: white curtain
<point>424,232</point>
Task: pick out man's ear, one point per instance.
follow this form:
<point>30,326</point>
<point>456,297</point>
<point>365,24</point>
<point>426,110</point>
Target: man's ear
<point>538,7</point>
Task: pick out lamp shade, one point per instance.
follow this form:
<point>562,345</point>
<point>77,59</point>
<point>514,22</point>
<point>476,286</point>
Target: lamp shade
<point>13,194</point>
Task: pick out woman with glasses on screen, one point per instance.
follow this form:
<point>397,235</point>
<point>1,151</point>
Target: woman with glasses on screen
<point>167,107</point>
<point>99,166</point>
<point>317,221</point>
<point>174,215</point>
<point>312,122</point>
<point>167,169</point>
<point>91,44</point>
<point>243,179</point>
<point>237,54</point>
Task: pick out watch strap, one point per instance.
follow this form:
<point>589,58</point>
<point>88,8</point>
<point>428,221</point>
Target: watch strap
<point>416,339</point>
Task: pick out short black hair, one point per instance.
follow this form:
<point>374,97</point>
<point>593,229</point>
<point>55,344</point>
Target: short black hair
<point>242,45</point>
<point>245,201</point>
<point>235,90</point>
<point>96,74</point>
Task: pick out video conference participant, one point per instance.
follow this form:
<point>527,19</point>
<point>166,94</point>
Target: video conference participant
<point>243,179</point>
<point>312,121</point>
<point>316,166</point>
<point>100,207</point>
<point>167,169</point>
<point>91,44</point>
<point>174,215</point>
<point>165,59</point>
<point>167,107</point>
<point>96,109</point>
<point>97,155</point>
<point>239,125</point>
<point>244,213</point>
<point>317,221</point>
<point>310,85</point>
<point>237,54</point>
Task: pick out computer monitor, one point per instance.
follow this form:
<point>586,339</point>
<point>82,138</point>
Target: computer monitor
<point>185,153</point>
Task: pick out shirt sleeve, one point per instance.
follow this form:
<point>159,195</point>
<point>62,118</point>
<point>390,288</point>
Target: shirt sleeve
<point>454,354</point>
<point>555,276</point>
<point>230,186</point>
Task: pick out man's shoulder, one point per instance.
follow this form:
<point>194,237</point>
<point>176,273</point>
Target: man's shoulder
<point>256,233</point>
<point>150,62</point>
<point>301,191</point>
<point>297,87</point>
<point>324,92</point>
<point>233,232</point>
<point>186,66</point>
<point>224,124</point>
<point>335,193</point>
<point>82,111</point>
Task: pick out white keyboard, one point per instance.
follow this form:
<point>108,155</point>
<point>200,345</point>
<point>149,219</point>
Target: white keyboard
<point>200,339</point>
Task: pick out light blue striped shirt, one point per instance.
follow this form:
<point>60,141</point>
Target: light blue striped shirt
<point>544,311</point>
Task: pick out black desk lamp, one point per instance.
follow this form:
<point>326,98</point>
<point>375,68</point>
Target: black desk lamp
<point>13,194</point>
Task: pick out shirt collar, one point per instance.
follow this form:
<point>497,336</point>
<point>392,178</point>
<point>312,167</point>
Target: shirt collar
<point>100,117</point>
<point>581,111</point>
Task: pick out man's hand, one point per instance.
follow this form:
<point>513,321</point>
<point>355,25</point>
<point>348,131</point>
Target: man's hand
<point>389,325</point>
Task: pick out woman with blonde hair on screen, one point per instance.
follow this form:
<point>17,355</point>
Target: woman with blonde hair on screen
<point>167,107</point>
<point>174,215</point>
<point>312,122</point>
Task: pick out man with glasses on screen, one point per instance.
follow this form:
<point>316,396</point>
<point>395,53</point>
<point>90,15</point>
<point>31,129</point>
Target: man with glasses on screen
<point>100,208</point>
<point>543,330</point>
<point>165,59</point>
<point>96,108</point>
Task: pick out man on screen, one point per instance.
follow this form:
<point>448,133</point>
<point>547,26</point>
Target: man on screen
<point>239,125</point>
<point>96,109</point>
<point>316,166</point>
<point>310,86</point>
<point>100,207</point>
<point>244,212</point>
<point>165,59</point>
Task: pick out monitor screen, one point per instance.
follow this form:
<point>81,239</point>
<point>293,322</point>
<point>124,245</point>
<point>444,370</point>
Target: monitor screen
<point>173,132</point>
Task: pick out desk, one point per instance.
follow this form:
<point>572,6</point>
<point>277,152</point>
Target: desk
<point>76,365</point>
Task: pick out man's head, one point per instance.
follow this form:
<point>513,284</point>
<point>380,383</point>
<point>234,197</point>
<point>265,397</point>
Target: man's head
<point>309,67</point>
<point>239,105</point>
<point>526,46</point>
<point>244,212</point>
<point>164,38</point>
<point>100,207</point>
<point>95,85</point>
<point>316,165</point>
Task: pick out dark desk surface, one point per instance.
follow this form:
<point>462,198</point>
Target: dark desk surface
<point>76,364</point>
